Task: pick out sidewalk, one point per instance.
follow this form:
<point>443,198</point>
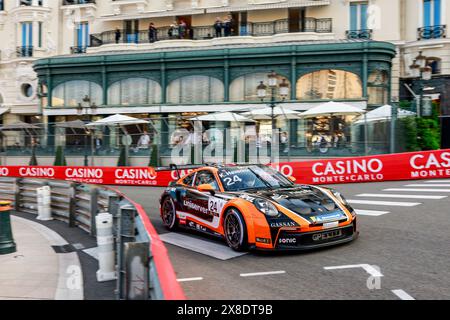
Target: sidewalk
<point>36,271</point>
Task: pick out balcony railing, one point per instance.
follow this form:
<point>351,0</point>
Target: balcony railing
<point>74,2</point>
<point>432,32</point>
<point>207,32</point>
<point>78,49</point>
<point>24,51</point>
<point>359,34</point>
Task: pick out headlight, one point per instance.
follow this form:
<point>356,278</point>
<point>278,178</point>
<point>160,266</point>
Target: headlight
<point>266,207</point>
<point>342,200</point>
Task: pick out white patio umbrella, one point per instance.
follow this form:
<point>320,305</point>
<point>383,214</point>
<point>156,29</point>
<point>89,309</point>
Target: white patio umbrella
<point>222,116</point>
<point>383,113</point>
<point>266,113</point>
<point>332,109</point>
<point>118,120</point>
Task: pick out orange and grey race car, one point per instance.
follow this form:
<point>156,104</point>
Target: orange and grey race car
<point>255,206</point>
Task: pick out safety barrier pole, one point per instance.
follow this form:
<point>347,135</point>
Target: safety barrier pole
<point>7,244</point>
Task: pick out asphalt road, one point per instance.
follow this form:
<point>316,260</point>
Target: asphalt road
<point>410,245</point>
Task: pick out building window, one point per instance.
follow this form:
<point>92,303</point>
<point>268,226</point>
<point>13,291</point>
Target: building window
<point>195,89</point>
<point>27,90</point>
<point>40,34</point>
<point>82,36</point>
<point>71,93</point>
<point>244,87</point>
<point>2,6</point>
<point>329,85</point>
<point>27,34</point>
<point>378,87</point>
<point>435,64</point>
<point>134,91</point>
<point>358,16</point>
<point>431,13</point>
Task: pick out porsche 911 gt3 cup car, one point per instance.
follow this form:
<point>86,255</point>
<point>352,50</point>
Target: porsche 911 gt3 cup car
<point>255,206</point>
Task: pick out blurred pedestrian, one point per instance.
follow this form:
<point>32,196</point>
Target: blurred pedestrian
<point>218,27</point>
<point>118,35</point>
<point>173,30</point>
<point>152,33</point>
<point>227,26</point>
<point>182,29</point>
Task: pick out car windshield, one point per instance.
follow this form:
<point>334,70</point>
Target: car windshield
<point>252,177</point>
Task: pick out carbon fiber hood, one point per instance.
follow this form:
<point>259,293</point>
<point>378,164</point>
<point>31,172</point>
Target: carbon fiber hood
<point>303,200</point>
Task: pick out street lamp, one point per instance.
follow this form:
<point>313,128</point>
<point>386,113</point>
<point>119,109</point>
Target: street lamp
<point>261,90</point>
<point>87,111</point>
<point>420,69</point>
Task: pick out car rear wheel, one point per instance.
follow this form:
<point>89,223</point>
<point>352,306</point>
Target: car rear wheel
<point>169,215</point>
<point>235,230</point>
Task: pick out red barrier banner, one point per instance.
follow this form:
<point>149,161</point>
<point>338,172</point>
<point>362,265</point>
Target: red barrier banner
<point>391,167</point>
<point>401,166</point>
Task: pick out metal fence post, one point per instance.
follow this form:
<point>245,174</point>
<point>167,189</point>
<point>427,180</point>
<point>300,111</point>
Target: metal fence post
<point>72,205</point>
<point>93,209</point>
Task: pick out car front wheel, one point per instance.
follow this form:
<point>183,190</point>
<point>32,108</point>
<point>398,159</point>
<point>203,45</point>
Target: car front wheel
<point>235,230</point>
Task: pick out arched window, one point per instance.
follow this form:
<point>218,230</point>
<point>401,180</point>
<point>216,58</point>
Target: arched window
<point>195,89</point>
<point>377,87</point>
<point>244,87</point>
<point>329,85</point>
<point>134,91</point>
<point>71,93</point>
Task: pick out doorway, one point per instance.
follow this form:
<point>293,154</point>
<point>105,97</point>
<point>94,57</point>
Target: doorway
<point>131,31</point>
<point>296,19</point>
<point>189,32</point>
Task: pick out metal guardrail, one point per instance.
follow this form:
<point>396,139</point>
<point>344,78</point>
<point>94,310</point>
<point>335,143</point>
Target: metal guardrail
<point>78,204</point>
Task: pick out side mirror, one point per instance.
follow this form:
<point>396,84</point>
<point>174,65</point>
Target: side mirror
<point>206,188</point>
<point>292,178</point>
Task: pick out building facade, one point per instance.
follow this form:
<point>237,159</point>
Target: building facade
<point>359,52</point>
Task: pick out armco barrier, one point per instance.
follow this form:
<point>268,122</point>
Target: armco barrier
<point>134,236</point>
<point>401,166</point>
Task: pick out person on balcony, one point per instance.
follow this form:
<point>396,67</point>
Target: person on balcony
<point>118,35</point>
<point>218,27</point>
<point>173,30</point>
<point>152,33</point>
<point>227,26</point>
<point>182,29</point>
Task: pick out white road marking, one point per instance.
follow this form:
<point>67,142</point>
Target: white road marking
<point>254,274</point>
<point>93,252</point>
<point>417,190</point>
<point>400,196</point>
<point>209,248</point>
<point>367,267</point>
<point>427,185</point>
<point>372,213</point>
<point>190,279</point>
<point>402,294</point>
<point>437,181</point>
<point>384,203</point>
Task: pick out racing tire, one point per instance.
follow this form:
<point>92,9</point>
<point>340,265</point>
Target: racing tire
<point>168,214</point>
<point>235,230</point>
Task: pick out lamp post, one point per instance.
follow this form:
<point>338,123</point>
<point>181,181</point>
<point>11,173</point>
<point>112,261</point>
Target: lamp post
<point>261,90</point>
<point>87,111</point>
<point>421,70</point>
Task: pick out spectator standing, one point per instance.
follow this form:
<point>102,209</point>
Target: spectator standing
<point>218,27</point>
<point>152,33</point>
<point>118,35</point>
<point>182,29</point>
<point>173,30</point>
<point>227,26</point>
<point>284,142</point>
<point>144,141</point>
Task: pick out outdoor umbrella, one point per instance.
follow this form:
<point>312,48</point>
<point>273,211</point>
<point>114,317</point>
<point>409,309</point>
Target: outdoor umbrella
<point>266,113</point>
<point>384,113</point>
<point>222,116</point>
<point>118,120</point>
<point>77,124</point>
<point>332,109</point>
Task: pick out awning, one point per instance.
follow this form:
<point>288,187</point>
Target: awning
<point>166,13</point>
<point>281,5</point>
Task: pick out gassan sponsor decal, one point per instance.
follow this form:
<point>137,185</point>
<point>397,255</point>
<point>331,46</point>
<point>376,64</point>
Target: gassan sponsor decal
<point>430,165</point>
<point>353,170</point>
<point>281,224</point>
